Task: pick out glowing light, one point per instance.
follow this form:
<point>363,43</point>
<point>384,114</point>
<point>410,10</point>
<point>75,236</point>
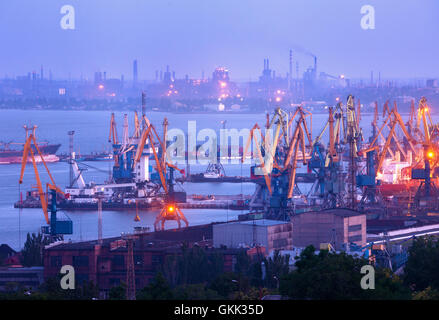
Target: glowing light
<point>278,99</point>
<point>101,86</point>
<point>223,84</point>
<point>430,154</point>
<point>171,208</point>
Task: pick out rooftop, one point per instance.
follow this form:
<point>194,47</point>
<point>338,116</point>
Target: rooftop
<point>259,222</point>
<point>172,238</point>
<point>340,212</point>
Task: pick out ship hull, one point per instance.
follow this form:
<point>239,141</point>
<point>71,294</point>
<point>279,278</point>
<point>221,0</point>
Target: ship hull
<point>15,156</point>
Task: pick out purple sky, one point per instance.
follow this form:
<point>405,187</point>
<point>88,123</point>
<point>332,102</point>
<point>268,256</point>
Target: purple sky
<point>196,35</point>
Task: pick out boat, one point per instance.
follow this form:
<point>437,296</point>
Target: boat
<point>12,152</point>
<point>10,155</point>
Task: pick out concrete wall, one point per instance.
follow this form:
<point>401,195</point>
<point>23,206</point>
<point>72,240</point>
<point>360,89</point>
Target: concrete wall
<point>28,277</point>
<point>234,235</point>
<point>327,227</point>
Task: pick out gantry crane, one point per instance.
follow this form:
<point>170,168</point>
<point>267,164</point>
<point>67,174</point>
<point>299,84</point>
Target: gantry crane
<point>170,211</point>
<point>426,195</point>
<point>375,155</point>
<point>56,228</point>
<point>279,163</point>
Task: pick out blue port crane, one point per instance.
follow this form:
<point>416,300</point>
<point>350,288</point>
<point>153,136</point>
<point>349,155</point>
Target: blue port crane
<point>56,228</point>
<point>278,152</point>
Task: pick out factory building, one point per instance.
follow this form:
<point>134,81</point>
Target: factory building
<point>31,277</point>
<point>271,234</point>
<point>335,226</point>
<point>106,263</point>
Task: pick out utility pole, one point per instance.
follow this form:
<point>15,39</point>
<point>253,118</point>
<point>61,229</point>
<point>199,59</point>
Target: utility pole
<point>165,133</point>
<point>130,276</point>
<point>143,109</point>
<point>99,196</point>
<point>71,177</point>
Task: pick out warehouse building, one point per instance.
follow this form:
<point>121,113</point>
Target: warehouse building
<point>334,226</point>
<point>30,278</point>
<point>271,234</point>
<point>105,263</point>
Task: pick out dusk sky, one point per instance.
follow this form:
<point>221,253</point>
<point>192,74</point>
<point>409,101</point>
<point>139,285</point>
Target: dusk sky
<point>196,35</point>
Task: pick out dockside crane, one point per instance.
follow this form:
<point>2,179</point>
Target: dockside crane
<point>56,228</point>
<point>279,162</point>
<point>376,155</point>
<point>426,194</point>
<point>170,210</point>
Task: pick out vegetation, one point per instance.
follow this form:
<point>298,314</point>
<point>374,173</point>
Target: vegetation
<point>32,252</point>
<point>196,274</point>
<point>420,271</point>
<point>329,276</point>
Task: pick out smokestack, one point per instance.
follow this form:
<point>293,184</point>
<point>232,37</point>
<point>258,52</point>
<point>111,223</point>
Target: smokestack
<point>315,65</point>
<point>291,63</point>
<point>143,108</point>
<point>135,75</point>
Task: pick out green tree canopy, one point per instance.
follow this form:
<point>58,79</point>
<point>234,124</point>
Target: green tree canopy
<point>329,276</point>
<point>421,269</point>
<point>32,252</point>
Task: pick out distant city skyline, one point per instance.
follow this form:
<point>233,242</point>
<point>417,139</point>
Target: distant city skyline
<point>196,36</point>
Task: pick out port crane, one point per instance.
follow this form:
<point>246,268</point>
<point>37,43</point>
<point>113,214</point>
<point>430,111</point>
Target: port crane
<point>170,210</point>
<point>56,228</point>
<point>376,155</point>
<point>279,161</point>
<point>426,194</point>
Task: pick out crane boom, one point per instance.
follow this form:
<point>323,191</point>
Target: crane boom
<point>26,151</point>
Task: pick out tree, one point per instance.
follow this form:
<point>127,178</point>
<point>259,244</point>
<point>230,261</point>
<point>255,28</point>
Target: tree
<point>225,284</point>
<point>420,271</point>
<point>330,276</point>
<point>117,293</point>
<point>157,289</point>
<point>276,267</point>
<point>32,252</point>
<point>191,266</point>
<point>195,292</point>
<point>426,294</point>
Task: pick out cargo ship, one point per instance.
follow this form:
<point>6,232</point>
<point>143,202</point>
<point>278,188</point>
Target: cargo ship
<point>9,155</point>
